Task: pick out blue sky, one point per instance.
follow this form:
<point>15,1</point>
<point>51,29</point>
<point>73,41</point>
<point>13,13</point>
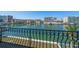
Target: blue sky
<point>39,14</point>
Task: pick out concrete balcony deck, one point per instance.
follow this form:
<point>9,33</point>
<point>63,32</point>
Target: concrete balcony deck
<point>27,43</point>
<point>11,45</point>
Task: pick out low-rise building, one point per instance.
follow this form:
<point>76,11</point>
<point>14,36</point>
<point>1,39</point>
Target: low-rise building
<point>52,20</point>
<point>49,20</point>
<point>24,21</point>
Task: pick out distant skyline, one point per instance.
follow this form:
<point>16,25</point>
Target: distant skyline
<point>39,14</point>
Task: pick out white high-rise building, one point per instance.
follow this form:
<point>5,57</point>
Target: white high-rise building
<point>71,20</point>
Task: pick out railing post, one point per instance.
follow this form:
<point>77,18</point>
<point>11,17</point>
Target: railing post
<point>0,34</point>
<point>29,41</point>
<point>54,34</point>
<point>78,38</point>
<point>71,43</point>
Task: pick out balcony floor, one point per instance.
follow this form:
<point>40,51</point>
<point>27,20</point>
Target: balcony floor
<point>11,45</point>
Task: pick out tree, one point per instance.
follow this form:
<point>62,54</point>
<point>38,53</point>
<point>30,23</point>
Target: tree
<point>71,33</point>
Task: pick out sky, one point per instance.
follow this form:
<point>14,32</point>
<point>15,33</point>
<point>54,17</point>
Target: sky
<point>39,14</point>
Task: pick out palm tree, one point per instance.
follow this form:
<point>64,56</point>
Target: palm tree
<point>72,34</point>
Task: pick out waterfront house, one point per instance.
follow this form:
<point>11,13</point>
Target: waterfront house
<point>29,21</point>
<point>38,21</point>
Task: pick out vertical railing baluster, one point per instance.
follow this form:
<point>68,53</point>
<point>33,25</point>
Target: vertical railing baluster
<point>58,38</point>
<point>33,36</point>
<point>62,40</point>
<point>50,41</point>
<point>44,39</point>
<point>27,36</point>
<point>54,37</point>
<point>72,39</point>
<point>67,40</point>
<point>10,33</point>
<point>19,33</point>
<point>36,38</point>
<point>65,35</point>
<point>39,38</point>
<point>46,34</point>
<point>30,37</point>
<point>0,34</point>
<point>77,38</point>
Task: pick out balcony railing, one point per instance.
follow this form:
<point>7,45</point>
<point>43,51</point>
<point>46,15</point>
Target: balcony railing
<point>40,38</point>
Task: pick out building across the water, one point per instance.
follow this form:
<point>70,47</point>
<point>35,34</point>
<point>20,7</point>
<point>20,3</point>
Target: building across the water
<point>52,20</point>
<point>19,21</point>
<point>6,19</point>
<point>71,20</point>
<point>38,21</point>
<point>28,21</point>
<point>24,21</point>
<point>47,20</point>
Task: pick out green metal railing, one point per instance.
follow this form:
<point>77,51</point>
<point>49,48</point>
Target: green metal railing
<point>42,37</point>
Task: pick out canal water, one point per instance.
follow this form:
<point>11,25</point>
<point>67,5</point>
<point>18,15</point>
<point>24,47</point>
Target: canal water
<point>42,26</point>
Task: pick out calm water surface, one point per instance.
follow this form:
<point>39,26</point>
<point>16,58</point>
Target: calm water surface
<point>49,27</point>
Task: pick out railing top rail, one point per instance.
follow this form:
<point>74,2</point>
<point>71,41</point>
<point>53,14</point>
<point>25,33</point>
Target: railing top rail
<point>39,29</point>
